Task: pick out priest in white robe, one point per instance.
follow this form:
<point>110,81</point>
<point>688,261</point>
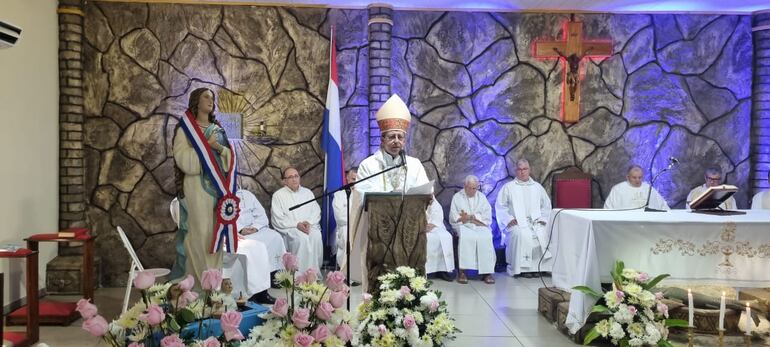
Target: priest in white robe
<point>393,119</point>
<point>523,208</point>
<point>440,256</point>
<point>340,206</point>
<point>254,225</point>
<point>248,268</point>
<point>761,201</point>
<point>632,193</point>
<point>301,228</point>
<point>471,216</point>
<point>712,177</point>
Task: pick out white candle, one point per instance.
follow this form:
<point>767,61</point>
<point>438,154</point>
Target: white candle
<point>722,313</point>
<point>748,319</point>
<point>691,309</point>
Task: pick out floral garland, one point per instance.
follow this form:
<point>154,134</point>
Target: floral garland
<point>637,317</point>
<point>311,314</point>
<point>405,313</point>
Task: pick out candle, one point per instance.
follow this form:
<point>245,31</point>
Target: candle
<point>691,309</point>
<point>748,319</point>
<point>722,312</point>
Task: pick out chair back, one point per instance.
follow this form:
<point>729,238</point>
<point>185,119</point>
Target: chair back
<point>572,189</point>
<point>130,249</point>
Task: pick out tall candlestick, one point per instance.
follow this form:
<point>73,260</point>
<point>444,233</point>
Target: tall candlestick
<point>722,312</point>
<point>691,309</point>
<point>748,319</point>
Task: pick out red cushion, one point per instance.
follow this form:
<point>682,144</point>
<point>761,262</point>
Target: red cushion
<point>48,308</point>
<point>19,253</point>
<point>17,338</point>
<point>573,193</point>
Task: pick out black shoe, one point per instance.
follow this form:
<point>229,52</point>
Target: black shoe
<point>354,283</point>
<point>272,281</point>
<point>445,276</point>
<point>262,297</point>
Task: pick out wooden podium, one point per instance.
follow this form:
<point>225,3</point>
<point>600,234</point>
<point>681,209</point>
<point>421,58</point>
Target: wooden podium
<point>394,242</point>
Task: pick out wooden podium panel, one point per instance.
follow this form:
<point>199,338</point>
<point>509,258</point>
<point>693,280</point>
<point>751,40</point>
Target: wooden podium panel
<point>395,241</point>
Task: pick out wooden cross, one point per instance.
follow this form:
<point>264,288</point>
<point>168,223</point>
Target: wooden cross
<point>572,50</point>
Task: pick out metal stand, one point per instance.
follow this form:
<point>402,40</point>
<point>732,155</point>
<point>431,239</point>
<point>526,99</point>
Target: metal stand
<point>721,338</point>
<point>747,338</point>
<point>689,336</point>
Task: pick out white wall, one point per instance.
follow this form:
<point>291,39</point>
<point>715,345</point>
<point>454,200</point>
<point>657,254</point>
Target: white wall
<point>29,134</point>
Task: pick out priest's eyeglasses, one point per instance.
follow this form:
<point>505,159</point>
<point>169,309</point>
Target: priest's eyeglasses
<point>714,179</point>
<point>392,137</point>
<point>290,177</point>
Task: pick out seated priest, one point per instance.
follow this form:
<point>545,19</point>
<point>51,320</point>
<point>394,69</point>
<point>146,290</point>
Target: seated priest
<point>761,200</point>
<point>340,206</point>
<point>523,208</point>
<point>301,228</point>
<point>713,177</point>
<point>471,216</point>
<point>632,193</point>
<point>440,256</point>
<point>253,224</point>
<point>248,268</point>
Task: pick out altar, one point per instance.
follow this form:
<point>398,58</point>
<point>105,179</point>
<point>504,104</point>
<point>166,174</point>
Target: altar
<point>720,250</point>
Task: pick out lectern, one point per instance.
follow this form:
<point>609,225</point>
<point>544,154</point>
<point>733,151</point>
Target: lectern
<point>396,235</point>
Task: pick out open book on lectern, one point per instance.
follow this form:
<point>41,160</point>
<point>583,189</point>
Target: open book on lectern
<point>423,189</point>
<point>713,197</point>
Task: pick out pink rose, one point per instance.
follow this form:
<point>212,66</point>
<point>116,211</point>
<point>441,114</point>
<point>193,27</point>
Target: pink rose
<point>642,277</point>
<point>337,299</point>
<point>663,309</point>
<point>321,333</point>
<point>230,320</point>
<point>211,342</point>
<point>137,344</point>
<point>86,309</point>
<point>187,283</point>
<point>300,279</point>
<point>187,297</point>
<point>144,279</point>
<point>632,309</point>
<point>233,335</point>
<point>324,311</point>
<point>405,291</point>
<point>96,326</point>
<point>303,340</point>
<point>280,308</point>
<point>301,318</point>
<point>211,279</point>
<point>335,280</point>
<point>344,332</point>
<point>382,329</point>
<point>290,262</point>
<point>409,322</point>
<point>659,295</point>
<point>153,316</point>
<point>367,297</point>
<point>172,341</point>
<point>311,275</point>
<point>434,306</point>
<point>620,295</point>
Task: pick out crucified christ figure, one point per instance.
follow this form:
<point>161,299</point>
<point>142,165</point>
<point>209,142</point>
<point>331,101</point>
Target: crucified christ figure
<point>573,62</point>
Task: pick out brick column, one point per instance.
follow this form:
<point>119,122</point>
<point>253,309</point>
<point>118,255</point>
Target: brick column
<point>71,166</point>
<point>380,25</point>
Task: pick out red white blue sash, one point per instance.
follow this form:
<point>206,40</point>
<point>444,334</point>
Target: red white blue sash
<point>226,210</point>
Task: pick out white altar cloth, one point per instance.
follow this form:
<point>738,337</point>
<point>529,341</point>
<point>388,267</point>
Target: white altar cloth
<point>691,247</point>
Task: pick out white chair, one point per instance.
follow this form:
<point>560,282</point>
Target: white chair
<point>136,266</point>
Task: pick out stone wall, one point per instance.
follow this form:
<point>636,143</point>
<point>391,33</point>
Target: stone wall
<point>676,85</point>
<point>267,64</point>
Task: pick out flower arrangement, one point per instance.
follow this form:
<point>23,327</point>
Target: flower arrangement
<point>159,318</point>
<point>637,317</point>
<point>405,313</point>
<point>311,314</point>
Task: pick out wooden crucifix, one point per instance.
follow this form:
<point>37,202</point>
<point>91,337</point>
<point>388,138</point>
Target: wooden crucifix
<point>573,49</point>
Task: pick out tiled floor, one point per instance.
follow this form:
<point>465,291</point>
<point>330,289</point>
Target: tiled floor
<point>502,314</point>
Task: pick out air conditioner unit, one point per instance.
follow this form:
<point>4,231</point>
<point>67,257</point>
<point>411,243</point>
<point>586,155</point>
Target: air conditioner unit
<point>9,34</point>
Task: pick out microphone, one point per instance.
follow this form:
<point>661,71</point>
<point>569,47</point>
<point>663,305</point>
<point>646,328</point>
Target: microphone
<point>402,154</point>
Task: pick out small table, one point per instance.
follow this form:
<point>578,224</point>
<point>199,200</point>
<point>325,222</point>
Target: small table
<point>32,334</point>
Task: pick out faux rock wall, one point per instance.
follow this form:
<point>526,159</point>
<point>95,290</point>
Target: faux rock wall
<point>676,85</point>
<point>267,64</point>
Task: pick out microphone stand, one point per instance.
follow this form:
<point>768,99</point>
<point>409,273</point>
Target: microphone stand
<point>647,207</point>
<point>347,189</point>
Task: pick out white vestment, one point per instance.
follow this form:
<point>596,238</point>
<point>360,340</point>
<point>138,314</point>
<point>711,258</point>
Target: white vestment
<point>340,206</point>
<point>625,196</point>
<point>476,251</point>
<point>440,254</point>
<point>529,204</point>
<point>389,182</point>
<point>729,204</point>
<point>253,216</point>
<point>761,201</point>
<point>248,268</point>
<point>307,247</point>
